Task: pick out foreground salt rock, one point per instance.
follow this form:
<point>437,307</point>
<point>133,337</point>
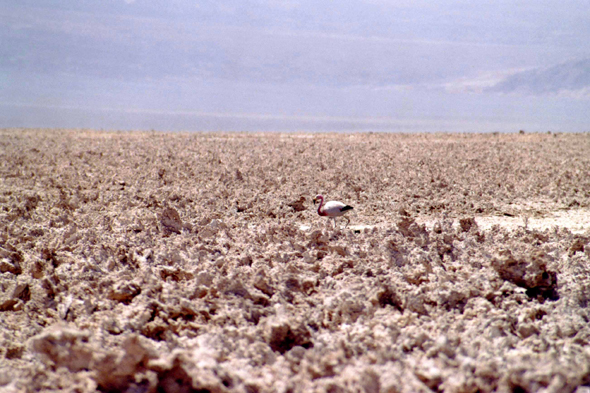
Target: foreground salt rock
<point>530,272</point>
<point>194,273</point>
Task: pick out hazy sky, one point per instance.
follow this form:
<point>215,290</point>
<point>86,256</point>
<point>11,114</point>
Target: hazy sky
<point>296,65</point>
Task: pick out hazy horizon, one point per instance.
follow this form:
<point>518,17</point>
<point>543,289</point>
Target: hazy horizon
<point>291,65</point>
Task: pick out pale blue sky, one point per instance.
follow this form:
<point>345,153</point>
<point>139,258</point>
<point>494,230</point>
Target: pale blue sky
<point>296,65</point>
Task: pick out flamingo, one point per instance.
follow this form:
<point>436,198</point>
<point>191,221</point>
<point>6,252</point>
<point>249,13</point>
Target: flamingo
<point>332,209</point>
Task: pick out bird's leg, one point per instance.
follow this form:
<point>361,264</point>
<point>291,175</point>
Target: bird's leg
<point>347,222</point>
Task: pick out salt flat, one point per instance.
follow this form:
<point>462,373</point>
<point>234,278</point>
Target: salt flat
<point>167,262</point>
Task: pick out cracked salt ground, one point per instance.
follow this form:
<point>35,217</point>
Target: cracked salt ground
<point>153,262</point>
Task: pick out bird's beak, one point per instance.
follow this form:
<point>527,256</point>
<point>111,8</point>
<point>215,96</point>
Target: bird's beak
<point>314,201</point>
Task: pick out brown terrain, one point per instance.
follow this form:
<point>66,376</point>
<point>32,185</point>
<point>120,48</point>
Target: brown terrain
<point>172,262</point>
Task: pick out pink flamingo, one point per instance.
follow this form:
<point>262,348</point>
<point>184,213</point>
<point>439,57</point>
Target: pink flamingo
<point>332,209</point>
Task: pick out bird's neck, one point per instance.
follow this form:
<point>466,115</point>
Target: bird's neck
<point>320,211</point>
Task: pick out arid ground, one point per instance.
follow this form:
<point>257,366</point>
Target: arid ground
<point>169,262</point>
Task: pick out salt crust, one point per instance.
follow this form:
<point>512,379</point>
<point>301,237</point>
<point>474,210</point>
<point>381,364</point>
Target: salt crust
<point>161,262</point>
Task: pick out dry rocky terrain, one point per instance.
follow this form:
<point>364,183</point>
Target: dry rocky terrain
<point>170,262</point>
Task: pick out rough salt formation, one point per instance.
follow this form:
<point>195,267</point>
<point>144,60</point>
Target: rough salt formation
<point>151,262</point>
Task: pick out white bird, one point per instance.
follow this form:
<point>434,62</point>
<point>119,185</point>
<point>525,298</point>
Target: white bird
<point>332,209</point>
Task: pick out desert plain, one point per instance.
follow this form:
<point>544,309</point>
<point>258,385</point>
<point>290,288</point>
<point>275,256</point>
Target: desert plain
<point>197,262</point>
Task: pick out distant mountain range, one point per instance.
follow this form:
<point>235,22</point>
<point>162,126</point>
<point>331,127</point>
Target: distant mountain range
<point>572,77</point>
